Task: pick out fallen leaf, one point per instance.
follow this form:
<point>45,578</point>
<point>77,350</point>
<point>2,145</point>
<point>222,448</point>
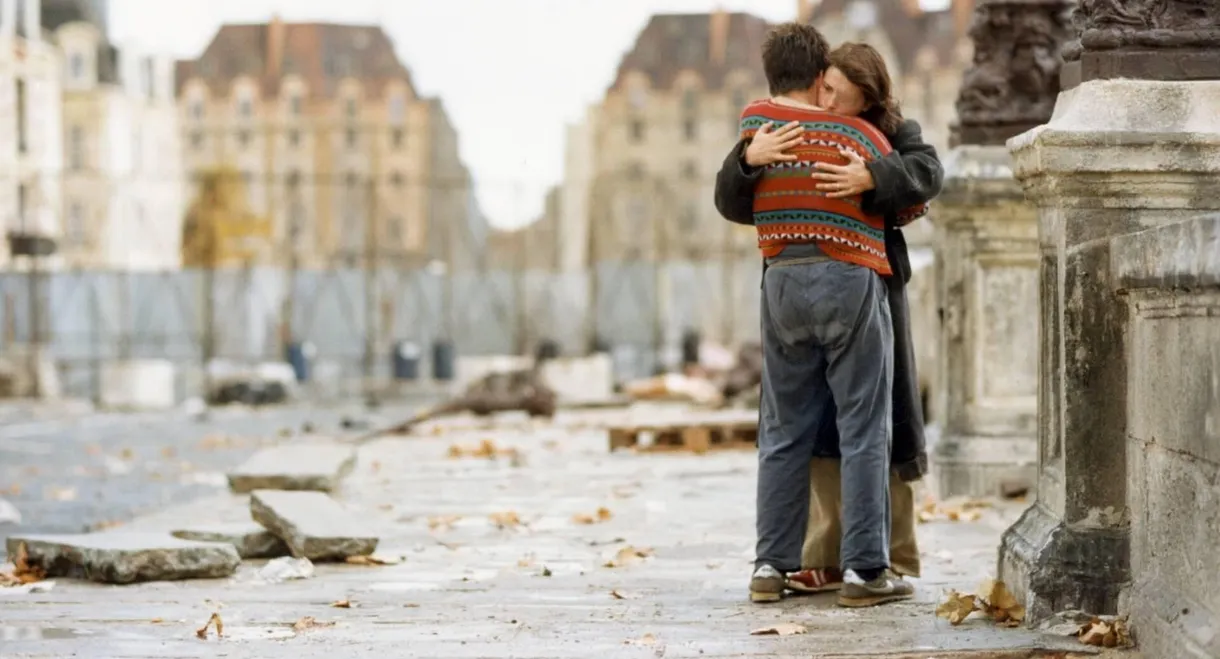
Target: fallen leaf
<point>373,559</point>
<point>127,454</point>
<point>168,452</point>
<point>957,607</point>
<point>525,561</point>
<point>617,595</point>
<point>386,506</point>
<point>342,604</point>
<point>628,555</point>
<point>443,522</point>
<point>157,621</point>
<point>309,622</point>
<point>505,520</point>
<point>604,514</point>
<point>1106,633</point>
<point>63,493</point>
<point>1001,605</point>
<point>202,632</point>
<point>646,639</point>
<point>782,629</point>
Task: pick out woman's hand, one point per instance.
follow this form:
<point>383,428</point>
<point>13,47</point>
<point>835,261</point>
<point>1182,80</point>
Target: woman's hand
<point>844,180</point>
<point>768,148</point>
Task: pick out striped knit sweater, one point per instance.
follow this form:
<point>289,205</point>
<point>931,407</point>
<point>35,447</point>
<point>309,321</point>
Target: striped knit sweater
<point>789,209</point>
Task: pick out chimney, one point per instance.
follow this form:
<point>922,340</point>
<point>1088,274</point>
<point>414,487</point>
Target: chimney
<point>718,35</point>
<point>804,10</point>
<point>275,46</point>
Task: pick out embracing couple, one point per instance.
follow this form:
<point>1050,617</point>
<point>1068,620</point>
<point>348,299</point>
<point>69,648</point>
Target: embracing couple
<point>827,170</point>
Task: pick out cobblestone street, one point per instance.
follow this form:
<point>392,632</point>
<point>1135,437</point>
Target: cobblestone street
<point>499,559</point>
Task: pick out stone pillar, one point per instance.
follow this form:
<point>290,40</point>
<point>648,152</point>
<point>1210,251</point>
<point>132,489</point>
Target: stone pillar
<point>987,254</point>
<point>1133,145</point>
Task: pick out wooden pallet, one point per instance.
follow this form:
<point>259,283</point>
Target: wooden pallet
<point>696,436</point>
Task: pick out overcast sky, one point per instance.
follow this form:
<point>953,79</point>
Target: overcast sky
<point>511,73</point>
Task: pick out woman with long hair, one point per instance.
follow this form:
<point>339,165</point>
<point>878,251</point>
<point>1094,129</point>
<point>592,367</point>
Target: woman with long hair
<point>857,83</point>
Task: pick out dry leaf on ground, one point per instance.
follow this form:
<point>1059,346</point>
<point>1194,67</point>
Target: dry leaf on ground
<point>309,622</point>
<point>342,604</point>
<point>646,639</point>
<point>443,522</point>
<point>617,595</point>
<point>485,449</point>
<point>628,555</point>
<point>1112,633</point>
<point>957,607</point>
<point>505,520</point>
<point>957,510</point>
<point>214,620</point>
<point>781,629</point>
<point>603,515</point>
<point>1001,605</point>
<point>373,560</point>
<point>62,493</point>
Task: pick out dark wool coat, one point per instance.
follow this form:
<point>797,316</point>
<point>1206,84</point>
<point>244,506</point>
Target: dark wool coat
<point>911,175</point>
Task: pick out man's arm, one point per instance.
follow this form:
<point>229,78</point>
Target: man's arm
<point>735,186</point>
<point>909,176</point>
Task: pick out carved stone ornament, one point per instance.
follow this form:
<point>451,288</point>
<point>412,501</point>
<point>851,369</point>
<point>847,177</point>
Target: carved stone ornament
<point>1145,39</point>
<point>1012,84</point>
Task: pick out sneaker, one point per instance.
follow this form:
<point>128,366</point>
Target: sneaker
<point>857,592</point>
<point>766,584</point>
<point>818,580</point>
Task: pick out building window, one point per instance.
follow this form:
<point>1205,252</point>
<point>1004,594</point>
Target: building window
<point>690,170</point>
<point>137,150</point>
<point>394,232</point>
<point>293,180</point>
<point>690,217</point>
<point>635,171</point>
<point>76,147</point>
<point>23,199</point>
<point>398,108</point>
<point>690,130</point>
<point>296,223</point>
<point>294,137</point>
<point>350,108</point>
<point>351,138</point>
<point>22,128</point>
<point>197,140</point>
<point>196,109</point>
<point>245,108</point>
<point>76,67</point>
<point>294,105</point>
<point>74,231</point>
<point>243,138</point>
<point>637,130</point>
<point>396,180</point>
<point>397,137</point>
<point>150,78</point>
<point>247,178</point>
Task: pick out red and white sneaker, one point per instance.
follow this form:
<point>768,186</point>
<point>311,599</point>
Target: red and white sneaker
<point>817,580</point>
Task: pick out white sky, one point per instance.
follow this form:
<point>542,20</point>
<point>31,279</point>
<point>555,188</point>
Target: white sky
<point>512,73</point>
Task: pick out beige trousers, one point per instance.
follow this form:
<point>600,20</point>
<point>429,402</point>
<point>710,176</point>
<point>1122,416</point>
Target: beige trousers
<point>825,528</point>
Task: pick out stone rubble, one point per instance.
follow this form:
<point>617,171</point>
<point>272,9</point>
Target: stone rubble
<point>123,558</point>
<point>249,538</point>
<point>312,524</point>
<point>294,466</point>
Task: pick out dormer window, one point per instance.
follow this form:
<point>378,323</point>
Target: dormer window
<point>350,108</point>
<point>196,109</point>
<point>76,67</point>
<point>294,104</point>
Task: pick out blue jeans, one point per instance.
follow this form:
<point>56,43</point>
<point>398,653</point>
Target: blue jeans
<point>827,350</point>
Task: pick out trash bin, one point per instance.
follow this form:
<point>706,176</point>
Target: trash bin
<point>442,361</point>
<point>404,362</point>
<point>300,356</point>
<point>547,349</point>
<point>690,347</point>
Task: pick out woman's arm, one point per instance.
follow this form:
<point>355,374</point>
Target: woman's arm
<point>909,176</point>
<point>742,169</point>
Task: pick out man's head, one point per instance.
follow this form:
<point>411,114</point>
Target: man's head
<point>794,56</point>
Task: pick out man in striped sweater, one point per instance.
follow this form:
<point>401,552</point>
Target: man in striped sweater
<point>827,335</point>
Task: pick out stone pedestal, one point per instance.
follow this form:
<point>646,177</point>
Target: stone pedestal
<point>1118,157</point>
<point>987,255</point>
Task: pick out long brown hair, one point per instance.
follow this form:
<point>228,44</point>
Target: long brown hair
<point>863,66</point>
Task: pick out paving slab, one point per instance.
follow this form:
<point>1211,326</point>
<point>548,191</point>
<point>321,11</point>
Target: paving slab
<point>312,524</point>
<point>249,538</point>
<point>313,466</point>
<point>123,558</point>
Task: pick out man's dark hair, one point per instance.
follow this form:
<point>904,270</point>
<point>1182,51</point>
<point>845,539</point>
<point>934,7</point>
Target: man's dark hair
<point>794,55</point>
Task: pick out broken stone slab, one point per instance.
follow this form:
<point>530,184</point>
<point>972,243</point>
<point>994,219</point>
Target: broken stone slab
<point>312,524</point>
<point>311,466</point>
<point>249,538</point>
<point>123,558</point>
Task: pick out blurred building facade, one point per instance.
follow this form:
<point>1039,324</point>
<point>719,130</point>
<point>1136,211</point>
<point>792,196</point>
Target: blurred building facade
<point>31,143</point>
<point>123,185</point>
<point>334,144</point>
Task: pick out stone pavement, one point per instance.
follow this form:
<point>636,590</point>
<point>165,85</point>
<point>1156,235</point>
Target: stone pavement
<point>476,583</point>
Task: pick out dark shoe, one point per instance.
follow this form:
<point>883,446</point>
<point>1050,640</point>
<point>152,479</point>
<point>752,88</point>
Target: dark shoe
<point>767,584</point>
<point>886,588</point>
<point>817,580</point>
